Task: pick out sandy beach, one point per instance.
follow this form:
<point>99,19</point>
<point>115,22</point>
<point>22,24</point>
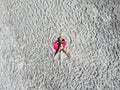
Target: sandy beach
<point>91,29</point>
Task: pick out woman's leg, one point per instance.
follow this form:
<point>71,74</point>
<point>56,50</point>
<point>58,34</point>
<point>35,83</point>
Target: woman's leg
<point>59,50</point>
<point>56,53</point>
<point>65,51</point>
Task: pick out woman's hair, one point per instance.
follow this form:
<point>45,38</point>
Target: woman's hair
<point>59,38</point>
<point>63,39</point>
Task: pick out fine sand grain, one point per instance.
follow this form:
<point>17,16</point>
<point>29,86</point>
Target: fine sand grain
<point>29,27</point>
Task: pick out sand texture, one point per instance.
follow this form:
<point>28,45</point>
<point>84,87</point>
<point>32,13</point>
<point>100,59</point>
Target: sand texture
<point>29,27</point>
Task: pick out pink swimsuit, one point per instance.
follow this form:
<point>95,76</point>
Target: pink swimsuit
<point>55,45</point>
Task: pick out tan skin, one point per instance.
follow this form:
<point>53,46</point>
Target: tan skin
<point>61,48</point>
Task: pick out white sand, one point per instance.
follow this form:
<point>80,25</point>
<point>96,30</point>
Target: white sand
<point>29,27</point>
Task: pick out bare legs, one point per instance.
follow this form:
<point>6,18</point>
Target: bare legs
<point>62,49</point>
<point>65,51</point>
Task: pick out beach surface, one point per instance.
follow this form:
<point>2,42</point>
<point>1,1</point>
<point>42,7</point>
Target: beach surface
<point>29,27</point>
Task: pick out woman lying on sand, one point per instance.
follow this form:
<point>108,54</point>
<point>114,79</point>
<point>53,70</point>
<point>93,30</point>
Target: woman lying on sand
<point>59,45</point>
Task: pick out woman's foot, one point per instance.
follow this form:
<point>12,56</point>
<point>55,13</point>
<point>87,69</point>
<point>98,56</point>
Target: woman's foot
<point>68,55</point>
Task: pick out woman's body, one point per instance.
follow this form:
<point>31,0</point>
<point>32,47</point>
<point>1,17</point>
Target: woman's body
<point>60,46</point>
